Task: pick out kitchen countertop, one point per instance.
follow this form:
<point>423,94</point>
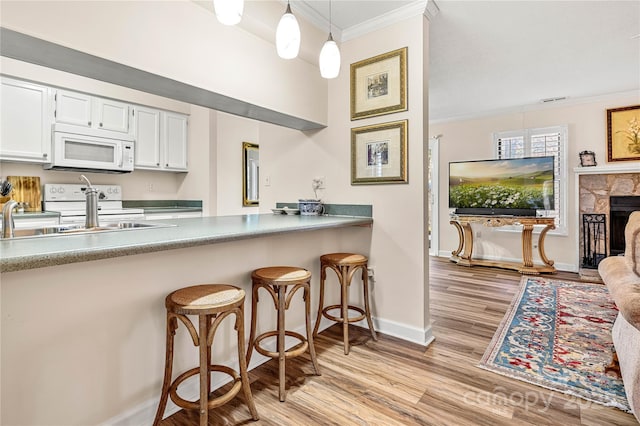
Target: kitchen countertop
<point>39,252</point>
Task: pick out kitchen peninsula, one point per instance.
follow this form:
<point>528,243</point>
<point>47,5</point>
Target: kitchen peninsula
<point>83,319</point>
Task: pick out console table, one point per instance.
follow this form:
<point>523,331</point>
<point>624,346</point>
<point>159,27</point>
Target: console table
<point>463,223</point>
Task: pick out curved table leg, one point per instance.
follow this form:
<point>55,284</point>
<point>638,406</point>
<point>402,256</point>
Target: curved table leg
<point>543,234</point>
<point>457,251</point>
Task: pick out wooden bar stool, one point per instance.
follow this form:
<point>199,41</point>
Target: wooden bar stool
<point>212,303</point>
<point>276,280</point>
<point>345,266</point>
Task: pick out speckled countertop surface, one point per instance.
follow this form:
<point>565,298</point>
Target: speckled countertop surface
<point>30,253</point>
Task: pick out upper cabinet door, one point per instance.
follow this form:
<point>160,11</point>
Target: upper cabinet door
<point>25,121</point>
<point>146,123</point>
<point>111,115</point>
<point>73,108</point>
<point>174,139</point>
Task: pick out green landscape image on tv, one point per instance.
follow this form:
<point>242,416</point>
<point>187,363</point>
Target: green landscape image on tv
<point>503,185</point>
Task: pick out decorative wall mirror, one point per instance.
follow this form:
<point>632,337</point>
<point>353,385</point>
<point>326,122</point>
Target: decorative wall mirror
<point>250,174</point>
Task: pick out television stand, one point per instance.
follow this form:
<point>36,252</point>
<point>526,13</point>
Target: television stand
<point>463,223</point>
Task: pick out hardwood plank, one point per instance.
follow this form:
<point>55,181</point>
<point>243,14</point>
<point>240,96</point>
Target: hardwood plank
<point>393,382</point>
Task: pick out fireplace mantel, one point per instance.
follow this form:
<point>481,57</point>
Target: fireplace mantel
<point>632,167</point>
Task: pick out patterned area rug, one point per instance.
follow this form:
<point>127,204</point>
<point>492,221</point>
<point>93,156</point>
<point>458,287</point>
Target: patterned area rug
<point>558,335</point>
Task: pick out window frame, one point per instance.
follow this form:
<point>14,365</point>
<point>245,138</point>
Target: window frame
<point>563,167</point>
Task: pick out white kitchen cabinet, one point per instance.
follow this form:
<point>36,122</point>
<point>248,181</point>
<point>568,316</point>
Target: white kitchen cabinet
<point>173,138</point>
<point>91,111</point>
<point>161,140</point>
<point>146,129</point>
<point>25,121</point>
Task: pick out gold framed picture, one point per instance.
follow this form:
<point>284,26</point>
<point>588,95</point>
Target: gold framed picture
<point>379,153</point>
<point>623,133</point>
<point>379,85</point>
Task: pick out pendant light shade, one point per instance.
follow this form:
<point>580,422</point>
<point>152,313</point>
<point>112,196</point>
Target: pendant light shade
<point>330,59</point>
<point>288,35</point>
<point>228,12</point>
<point>329,55</point>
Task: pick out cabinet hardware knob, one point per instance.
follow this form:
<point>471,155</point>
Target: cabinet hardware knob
<point>100,124</point>
<point>89,123</point>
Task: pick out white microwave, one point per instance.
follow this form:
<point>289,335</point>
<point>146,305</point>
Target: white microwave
<point>91,150</point>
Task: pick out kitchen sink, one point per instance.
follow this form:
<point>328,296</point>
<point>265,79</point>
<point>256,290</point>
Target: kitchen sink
<point>71,229</point>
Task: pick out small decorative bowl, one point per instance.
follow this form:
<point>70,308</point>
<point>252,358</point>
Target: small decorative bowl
<point>277,211</point>
<point>291,211</point>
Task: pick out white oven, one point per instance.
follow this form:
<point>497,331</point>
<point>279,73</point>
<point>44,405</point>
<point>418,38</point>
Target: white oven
<point>91,150</point>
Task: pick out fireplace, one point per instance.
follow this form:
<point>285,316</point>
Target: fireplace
<point>620,208</point>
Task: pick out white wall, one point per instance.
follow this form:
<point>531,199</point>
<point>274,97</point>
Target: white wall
<point>471,139</point>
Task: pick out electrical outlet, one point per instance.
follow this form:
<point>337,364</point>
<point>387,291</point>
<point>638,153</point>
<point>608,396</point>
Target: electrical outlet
<point>371,272</point>
<point>150,187</point>
<point>478,234</point>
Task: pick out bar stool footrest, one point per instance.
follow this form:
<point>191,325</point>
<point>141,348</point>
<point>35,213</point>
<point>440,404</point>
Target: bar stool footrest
<point>298,349</point>
<point>360,317</point>
<point>212,403</point>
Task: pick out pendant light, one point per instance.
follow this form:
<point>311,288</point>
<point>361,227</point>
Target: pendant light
<point>228,12</point>
<point>330,55</point>
<point>288,35</point>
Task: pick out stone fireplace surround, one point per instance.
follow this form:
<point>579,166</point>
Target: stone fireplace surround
<point>594,187</point>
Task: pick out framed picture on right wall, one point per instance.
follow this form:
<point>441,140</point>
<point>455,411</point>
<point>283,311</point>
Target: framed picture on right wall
<point>623,133</point>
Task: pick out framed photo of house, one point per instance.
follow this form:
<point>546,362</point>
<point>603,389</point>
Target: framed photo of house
<point>379,85</point>
<point>379,153</point>
<point>623,133</point>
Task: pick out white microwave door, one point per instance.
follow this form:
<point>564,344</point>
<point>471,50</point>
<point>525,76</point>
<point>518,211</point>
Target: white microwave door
<point>86,151</point>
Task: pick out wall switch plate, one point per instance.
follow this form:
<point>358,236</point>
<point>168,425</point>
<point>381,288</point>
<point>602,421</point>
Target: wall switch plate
<point>267,181</point>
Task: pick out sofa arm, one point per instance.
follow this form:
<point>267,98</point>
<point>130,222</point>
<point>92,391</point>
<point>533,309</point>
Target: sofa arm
<point>624,287</point>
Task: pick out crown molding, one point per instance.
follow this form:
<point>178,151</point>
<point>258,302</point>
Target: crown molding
<point>418,7</point>
<point>316,19</point>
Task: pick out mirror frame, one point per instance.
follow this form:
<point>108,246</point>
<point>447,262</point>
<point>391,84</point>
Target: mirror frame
<point>247,148</point>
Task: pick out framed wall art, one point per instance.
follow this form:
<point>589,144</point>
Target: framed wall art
<point>379,85</point>
<point>379,153</point>
<point>623,133</point>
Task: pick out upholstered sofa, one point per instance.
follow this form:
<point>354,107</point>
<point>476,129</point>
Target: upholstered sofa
<point>621,274</point>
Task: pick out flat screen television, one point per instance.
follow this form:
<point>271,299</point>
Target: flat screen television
<point>517,186</point>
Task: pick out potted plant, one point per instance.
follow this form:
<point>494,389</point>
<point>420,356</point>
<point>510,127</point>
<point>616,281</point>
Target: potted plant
<point>312,207</point>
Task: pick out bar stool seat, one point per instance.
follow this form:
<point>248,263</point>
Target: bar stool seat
<point>282,282</point>
<point>212,303</point>
<point>345,266</point>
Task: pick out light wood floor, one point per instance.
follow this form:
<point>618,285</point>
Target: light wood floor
<point>392,382</point>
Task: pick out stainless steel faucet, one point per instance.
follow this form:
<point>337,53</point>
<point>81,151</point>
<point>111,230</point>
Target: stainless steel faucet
<point>7,218</point>
<point>91,215</point>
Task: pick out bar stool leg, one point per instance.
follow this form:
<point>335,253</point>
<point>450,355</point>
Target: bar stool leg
<point>323,276</point>
<point>252,333</point>
<point>244,376</point>
<point>344,300</point>
<point>280,343</point>
<point>204,368</point>
<point>172,325</point>
<point>312,349</point>
<point>367,309</point>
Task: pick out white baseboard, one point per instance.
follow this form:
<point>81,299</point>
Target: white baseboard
<point>144,413</point>
<point>567,267</point>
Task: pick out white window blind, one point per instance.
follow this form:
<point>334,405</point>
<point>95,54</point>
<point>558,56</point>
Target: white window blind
<point>541,143</point>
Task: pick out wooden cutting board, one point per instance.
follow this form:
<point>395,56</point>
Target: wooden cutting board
<point>26,189</point>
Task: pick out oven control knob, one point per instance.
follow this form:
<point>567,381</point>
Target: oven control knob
<point>109,190</point>
<point>53,190</point>
<point>61,190</point>
<point>116,190</point>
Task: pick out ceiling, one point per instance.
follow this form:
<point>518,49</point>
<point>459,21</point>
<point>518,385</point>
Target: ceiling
<point>493,56</point>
